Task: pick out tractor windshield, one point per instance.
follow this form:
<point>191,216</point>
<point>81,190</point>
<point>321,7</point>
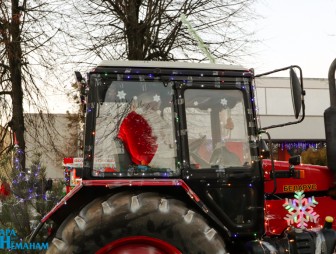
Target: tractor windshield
<point>134,132</point>
<point>217,128</point>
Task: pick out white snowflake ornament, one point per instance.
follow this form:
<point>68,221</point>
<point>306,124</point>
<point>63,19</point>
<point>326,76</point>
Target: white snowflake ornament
<point>300,210</point>
<point>121,95</point>
<point>156,98</point>
<point>224,102</point>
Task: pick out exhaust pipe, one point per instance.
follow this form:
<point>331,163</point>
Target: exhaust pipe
<point>330,121</point>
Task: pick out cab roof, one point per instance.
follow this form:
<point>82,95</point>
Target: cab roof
<point>170,65</point>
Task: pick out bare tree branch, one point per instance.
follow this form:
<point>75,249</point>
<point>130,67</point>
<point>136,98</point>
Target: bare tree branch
<point>30,51</point>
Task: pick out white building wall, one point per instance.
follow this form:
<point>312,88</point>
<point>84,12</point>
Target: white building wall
<point>275,106</point>
<point>61,137</point>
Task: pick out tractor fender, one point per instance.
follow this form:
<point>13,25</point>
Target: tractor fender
<point>88,190</point>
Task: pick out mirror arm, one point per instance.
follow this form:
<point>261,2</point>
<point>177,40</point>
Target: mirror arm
<point>274,71</point>
<point>281,69</point>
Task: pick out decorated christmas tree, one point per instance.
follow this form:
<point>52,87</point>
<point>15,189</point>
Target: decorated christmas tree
<point>31,197</point>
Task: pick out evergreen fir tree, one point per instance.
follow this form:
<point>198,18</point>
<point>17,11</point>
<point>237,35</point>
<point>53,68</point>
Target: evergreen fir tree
<point>32,196</point>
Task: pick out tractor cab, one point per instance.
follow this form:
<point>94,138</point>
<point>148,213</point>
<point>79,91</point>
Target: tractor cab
<point>164,121</point>
<point>194,122</point>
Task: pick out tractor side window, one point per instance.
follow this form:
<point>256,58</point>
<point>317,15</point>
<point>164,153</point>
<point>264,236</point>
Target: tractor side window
<point>217,129</point>
<point>134,128</point>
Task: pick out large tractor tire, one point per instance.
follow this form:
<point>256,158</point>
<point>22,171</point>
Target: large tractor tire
<point>130,223</point>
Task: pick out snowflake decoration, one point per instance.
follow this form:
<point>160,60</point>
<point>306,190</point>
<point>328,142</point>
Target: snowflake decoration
<point>121,95</point>
<point>224,102</point>
<point>300,210</point>
<point>156,98</point>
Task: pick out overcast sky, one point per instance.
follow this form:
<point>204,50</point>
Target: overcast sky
<point>300,32</point>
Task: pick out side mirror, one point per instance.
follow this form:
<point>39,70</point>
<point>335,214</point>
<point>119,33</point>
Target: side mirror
<point>82,89</point>
<point>296,92</point>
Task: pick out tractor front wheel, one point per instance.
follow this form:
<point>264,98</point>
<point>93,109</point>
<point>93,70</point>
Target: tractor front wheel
<point>141,223</point>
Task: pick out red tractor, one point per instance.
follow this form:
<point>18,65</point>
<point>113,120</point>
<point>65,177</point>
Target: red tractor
<point>186,171</point>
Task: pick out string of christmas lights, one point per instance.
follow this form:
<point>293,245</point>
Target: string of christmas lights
<point>26,184</point>
<point>304,145</point>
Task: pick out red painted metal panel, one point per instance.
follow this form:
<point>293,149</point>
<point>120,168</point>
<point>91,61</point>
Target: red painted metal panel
<point>111,183</point>
<point>312,178</point>
<point>275,213</point>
